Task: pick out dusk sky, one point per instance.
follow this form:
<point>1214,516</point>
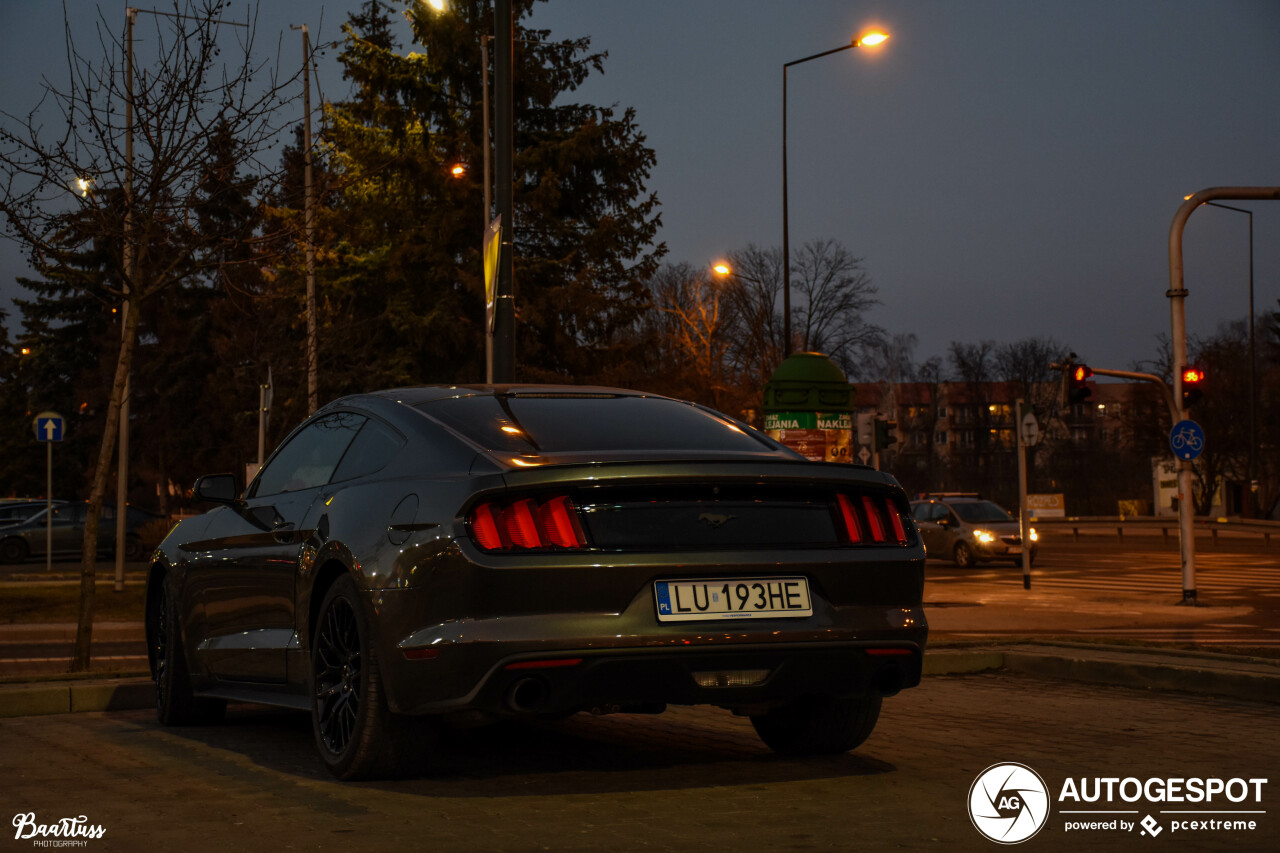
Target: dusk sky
<point>1006,168</point>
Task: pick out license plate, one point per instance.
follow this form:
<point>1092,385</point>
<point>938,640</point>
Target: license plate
<point>1015,550</point>
<point>734,598</point>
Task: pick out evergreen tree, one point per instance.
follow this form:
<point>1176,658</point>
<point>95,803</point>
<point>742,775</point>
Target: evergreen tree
<point>403,281</point>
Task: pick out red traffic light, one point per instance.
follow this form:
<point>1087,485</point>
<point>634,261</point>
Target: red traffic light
<point>1192,375</point>
<point>1081,373</point>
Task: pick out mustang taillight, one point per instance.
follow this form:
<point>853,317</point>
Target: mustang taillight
<point>868,520</point>
<point>527,524</point>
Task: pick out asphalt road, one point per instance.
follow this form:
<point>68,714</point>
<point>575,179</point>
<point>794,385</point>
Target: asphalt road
<point>1102,587</point>
<point>690,779</point>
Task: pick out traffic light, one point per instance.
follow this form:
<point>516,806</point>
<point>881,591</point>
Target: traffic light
<point>1192,385</point>
<point>886,433</point>
<point>1077,389</point>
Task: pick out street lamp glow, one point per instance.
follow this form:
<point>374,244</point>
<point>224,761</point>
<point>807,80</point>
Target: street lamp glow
<point>458,170</point>
<point>722,269</point>
<point>872,39</point>
<point>438,5</point>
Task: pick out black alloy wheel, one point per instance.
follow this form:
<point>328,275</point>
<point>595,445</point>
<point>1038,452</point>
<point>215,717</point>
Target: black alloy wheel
<point>176,704</point>
<point>338,682</point>
<point>357,735</point>
<point>13,550</point>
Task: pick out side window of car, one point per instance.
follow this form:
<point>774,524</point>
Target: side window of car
<point>921,512</point>
<point>940,512</point>
<point>371,450</point>
<point>311,456</point>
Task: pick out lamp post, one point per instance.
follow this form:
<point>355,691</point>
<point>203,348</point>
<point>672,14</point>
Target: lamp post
<point>1253,364</point>
<point>869,40</point>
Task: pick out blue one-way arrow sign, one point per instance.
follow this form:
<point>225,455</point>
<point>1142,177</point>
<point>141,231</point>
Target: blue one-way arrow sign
<point>48,426</point>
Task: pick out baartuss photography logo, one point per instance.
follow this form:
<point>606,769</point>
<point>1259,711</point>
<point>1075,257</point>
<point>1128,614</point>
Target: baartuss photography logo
<point>63,832</point>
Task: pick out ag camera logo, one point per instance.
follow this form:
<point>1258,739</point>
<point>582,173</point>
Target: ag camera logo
<point>1008,803</point>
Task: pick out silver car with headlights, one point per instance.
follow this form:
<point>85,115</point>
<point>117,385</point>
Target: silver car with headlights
<point>967,529</point>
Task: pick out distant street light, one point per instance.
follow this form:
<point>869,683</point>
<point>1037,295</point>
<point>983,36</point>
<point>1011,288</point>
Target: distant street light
<point>868,40</point>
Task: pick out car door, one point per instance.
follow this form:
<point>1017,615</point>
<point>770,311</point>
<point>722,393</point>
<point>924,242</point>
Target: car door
<point>244,572</point>
<point>923,514</point>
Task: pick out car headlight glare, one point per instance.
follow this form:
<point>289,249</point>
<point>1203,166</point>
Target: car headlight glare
<point>984,536</point>
<point>1035,537</point>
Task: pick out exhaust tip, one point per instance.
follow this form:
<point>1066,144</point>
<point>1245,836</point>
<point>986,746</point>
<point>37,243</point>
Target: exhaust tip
<point>527,696</point>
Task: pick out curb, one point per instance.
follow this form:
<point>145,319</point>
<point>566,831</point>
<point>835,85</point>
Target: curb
<point>65,697</point>
<point>1247,679</point>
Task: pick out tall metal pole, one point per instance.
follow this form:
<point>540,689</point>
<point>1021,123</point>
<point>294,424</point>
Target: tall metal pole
<point>786,230</point>
<point>122,440</point>
<point>1177,294</point>
<point>1253,367</point>
<point>504,98</point>
<point>48,508</point>
<point>1024,533</point>
<point>786,235</point>
<point>309,225</point>
<point>488,187</point>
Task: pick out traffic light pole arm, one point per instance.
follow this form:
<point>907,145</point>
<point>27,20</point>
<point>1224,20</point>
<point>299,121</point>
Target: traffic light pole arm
<point>1169,399</point>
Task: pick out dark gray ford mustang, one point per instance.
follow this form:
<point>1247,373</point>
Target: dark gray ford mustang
<point>418,557</point>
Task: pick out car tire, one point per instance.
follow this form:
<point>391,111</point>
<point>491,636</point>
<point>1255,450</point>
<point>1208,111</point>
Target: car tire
<point>176,704</point>
<point>13,551</point>
<point>963,555</point>
<point>134,550</point>
<point>356,733</point>
<point>819,725</point>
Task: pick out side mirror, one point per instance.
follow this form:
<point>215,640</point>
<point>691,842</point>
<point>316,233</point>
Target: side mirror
<point>217,489</point>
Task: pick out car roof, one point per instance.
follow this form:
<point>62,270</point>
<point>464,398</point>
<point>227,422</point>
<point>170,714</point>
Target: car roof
<point>416,394</point>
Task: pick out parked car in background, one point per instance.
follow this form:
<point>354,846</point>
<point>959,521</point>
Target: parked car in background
<point>13,510</point>
<point>418,557</point>
<point>26,535</point>
<point>967,529</point>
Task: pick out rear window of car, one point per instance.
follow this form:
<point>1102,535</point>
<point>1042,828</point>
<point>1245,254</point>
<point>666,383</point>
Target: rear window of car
<point>589,423</point>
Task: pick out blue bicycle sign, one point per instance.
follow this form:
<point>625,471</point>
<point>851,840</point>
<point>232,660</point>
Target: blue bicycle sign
<point>1187,439</point>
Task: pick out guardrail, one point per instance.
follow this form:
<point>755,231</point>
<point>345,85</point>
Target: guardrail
<point>1165,524</point>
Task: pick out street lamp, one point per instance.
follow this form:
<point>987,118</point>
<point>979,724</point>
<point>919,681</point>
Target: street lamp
<point>869,39</point>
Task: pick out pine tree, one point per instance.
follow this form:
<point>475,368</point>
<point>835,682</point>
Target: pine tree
<point>403,283</point>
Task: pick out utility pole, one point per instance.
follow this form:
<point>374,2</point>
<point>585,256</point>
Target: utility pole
<point>504,134</point>
<point>308,222</point>
<point>122,439</point>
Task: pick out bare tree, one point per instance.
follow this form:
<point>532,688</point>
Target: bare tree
<point>835,294</point>
<point>67,180</point>
<point>697,321</point>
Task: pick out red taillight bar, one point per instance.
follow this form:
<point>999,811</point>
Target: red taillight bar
<point>527,524</point>
<point>852,530</point>
<point>871,521</point>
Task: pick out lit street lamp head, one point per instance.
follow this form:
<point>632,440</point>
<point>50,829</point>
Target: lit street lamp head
<point>871,39</point>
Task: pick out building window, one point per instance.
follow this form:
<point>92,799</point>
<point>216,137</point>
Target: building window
<point>940,437</point>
